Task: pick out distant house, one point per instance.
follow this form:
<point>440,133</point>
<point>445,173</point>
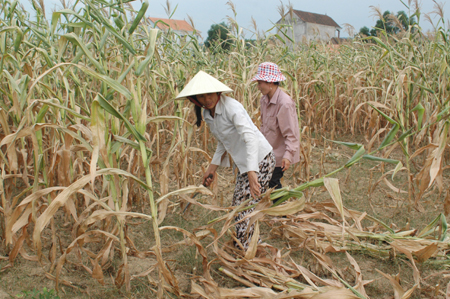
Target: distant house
<point>307,26</point>
<point>180,27</point>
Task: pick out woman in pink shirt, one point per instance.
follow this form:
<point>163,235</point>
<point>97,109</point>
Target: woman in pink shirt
<point>279,120</point>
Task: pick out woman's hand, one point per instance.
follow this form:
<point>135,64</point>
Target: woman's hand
<point>255,187</point>
<point>209,175</point>
<point>285,163</point>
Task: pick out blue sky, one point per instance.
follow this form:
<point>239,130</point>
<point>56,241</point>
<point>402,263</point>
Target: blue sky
<point>357,13</point>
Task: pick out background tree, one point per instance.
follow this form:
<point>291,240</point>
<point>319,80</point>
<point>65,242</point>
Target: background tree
<point>384,23</point>
<point>218,34</point>
<point>405,20</point>
<point>365,31</point>
<point>390,23</point>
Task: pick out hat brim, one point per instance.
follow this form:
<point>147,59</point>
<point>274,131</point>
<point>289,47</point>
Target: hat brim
<point>203,83</point>
<point>269,79</point>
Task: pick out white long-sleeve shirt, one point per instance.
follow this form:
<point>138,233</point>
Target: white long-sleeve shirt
<point>236,134</point>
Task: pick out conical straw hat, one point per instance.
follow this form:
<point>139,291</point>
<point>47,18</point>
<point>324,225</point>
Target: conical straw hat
<point>203,83</point>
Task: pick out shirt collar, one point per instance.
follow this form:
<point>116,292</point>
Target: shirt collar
<point>274,98</point>
<point>219,106</point>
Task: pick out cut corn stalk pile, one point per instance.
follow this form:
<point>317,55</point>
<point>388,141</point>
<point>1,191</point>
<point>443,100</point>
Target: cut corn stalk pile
<point>92,144</point>
<point>319,229</point>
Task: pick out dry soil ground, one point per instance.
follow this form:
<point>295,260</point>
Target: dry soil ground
<point>383,203</point>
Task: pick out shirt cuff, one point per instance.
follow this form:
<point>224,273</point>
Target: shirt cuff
<point>288,155</point>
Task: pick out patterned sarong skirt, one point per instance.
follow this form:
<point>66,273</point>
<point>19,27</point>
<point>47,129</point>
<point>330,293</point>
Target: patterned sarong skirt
<point>242,193</point>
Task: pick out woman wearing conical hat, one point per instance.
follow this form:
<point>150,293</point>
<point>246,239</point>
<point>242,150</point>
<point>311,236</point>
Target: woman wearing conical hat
<point>236,134</point>
<point>279,120</point>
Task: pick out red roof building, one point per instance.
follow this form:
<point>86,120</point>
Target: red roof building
<point>181,27</point>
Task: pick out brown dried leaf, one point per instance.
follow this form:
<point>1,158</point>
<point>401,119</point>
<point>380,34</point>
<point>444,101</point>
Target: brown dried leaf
<point>12,226</point>
<point>198,290</point>
<point>232,274</point>
<point>398,290</point>
<point>336,294</point>
<point>447,204</point>
<point>254,292</point>
<point>199,246</point>
<point>97,272</point>
<point>324,260</point>
<point>310,277</point>
<point>289,208</point>
<point>104,253</point>
<point>64,282</point>
<point>253,246</point>
<point>393,188</point>
<point>437,155</point>
<point>23,133</point>
<point>375,137</point>
<point>425,253</point>
<point>120,277</point>
<point>397,245</point>
<point>447,294</point>
<point>18,245</point>
<point>98,128</point>
<point>187,190</point>
<point>102,214</point>
<point>332,186</point>
<point>86,238</point>
<point>205,154</point>
<point>61,199</point>
<point>162,210</point>
<point>359,281</point>
<point>167,275</point>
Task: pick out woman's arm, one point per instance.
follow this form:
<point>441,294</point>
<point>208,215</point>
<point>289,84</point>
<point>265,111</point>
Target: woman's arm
<point>288,124</point>
<point>255,187</point>
<point>210,175</point>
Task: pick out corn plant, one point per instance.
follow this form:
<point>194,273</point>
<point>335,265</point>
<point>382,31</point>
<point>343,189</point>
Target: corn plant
<point>91,136</point>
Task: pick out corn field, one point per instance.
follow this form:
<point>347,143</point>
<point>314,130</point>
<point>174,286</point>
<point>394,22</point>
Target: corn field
<point>93,146</point>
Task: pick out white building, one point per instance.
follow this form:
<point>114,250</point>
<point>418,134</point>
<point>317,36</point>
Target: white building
<point>306,26</point>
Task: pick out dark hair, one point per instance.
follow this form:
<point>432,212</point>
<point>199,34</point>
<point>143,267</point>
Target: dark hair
<point>198,113</point>
<point>276,83</point>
